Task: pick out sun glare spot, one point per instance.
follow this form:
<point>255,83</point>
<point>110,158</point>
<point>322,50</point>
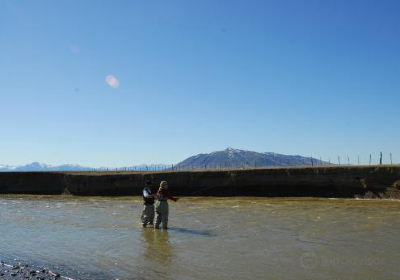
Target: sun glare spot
<point>75,48</point>
<point>112,81</point>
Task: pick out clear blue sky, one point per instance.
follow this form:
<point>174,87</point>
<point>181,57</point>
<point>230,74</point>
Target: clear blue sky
<point>317,78</point>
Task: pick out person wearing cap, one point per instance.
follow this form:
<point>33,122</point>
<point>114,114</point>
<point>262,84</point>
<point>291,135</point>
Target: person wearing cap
<point>147,216</point>
<point>162,208</point>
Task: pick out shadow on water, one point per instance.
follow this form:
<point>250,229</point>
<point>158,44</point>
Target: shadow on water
<point>205,233</point>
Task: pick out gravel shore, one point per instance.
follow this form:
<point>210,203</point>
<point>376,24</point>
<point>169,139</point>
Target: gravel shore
<point>26,272</point>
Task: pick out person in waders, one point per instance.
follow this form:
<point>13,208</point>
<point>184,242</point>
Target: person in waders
<point>162,205</point>
<point>148,205</point>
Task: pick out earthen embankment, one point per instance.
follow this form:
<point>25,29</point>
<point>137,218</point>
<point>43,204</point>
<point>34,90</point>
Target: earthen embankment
<point>348,181</point>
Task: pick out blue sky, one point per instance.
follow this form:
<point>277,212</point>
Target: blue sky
<point>317,78</point>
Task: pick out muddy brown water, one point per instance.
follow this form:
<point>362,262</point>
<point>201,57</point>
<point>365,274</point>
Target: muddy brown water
<point>209,238</point>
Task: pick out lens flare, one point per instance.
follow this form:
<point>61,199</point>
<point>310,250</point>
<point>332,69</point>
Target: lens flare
<point>75,48</point>
<point>112,81</point>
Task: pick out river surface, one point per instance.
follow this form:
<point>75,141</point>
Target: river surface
<point>209,238</point>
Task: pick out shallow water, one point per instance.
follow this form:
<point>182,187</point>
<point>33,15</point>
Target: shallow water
<point>209,238</point>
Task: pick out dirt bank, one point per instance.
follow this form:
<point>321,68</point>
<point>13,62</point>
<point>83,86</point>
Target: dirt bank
<point>349,181</point>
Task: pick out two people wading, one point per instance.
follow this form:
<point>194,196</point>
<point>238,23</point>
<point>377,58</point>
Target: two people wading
<point>161,208</point>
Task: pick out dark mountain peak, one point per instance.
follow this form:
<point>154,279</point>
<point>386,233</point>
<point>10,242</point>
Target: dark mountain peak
<point>231,157</point>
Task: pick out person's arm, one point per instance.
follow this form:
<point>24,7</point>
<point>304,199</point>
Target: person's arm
<point>174,198</point>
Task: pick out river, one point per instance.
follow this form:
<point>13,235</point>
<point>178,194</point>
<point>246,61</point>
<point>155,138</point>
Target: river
<point>209,238</point>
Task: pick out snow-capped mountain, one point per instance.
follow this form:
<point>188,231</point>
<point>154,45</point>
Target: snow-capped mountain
<point>6,167</point>
<point>240,158</point>
<point>228,158</point>
<point>36,166</point>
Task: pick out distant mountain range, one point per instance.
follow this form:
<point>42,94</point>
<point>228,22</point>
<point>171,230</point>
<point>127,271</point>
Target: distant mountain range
<point>240,158</point>
<point>36,166</point>
<point>228,158</point>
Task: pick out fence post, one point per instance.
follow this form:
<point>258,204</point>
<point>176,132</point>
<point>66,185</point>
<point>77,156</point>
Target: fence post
<point>370,159</point>
<point>391,160</point>
<point>338,159</point>
<point>358,159</point>
<point>380,159</point>
<point>348,160</point>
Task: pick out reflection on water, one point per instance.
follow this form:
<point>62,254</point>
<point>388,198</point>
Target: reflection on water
<point>209,238</point>
<point>157,246</point>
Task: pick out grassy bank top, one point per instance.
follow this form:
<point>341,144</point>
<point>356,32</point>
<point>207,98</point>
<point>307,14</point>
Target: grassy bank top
<point>343,168</point>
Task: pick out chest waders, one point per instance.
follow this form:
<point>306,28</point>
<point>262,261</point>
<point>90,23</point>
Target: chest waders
<point>162,210</point>
<point>147,216</point>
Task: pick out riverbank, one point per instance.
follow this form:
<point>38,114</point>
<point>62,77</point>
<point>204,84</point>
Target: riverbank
<point>34,269</point>
<point>18,270</point>
<point>337,181</point>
